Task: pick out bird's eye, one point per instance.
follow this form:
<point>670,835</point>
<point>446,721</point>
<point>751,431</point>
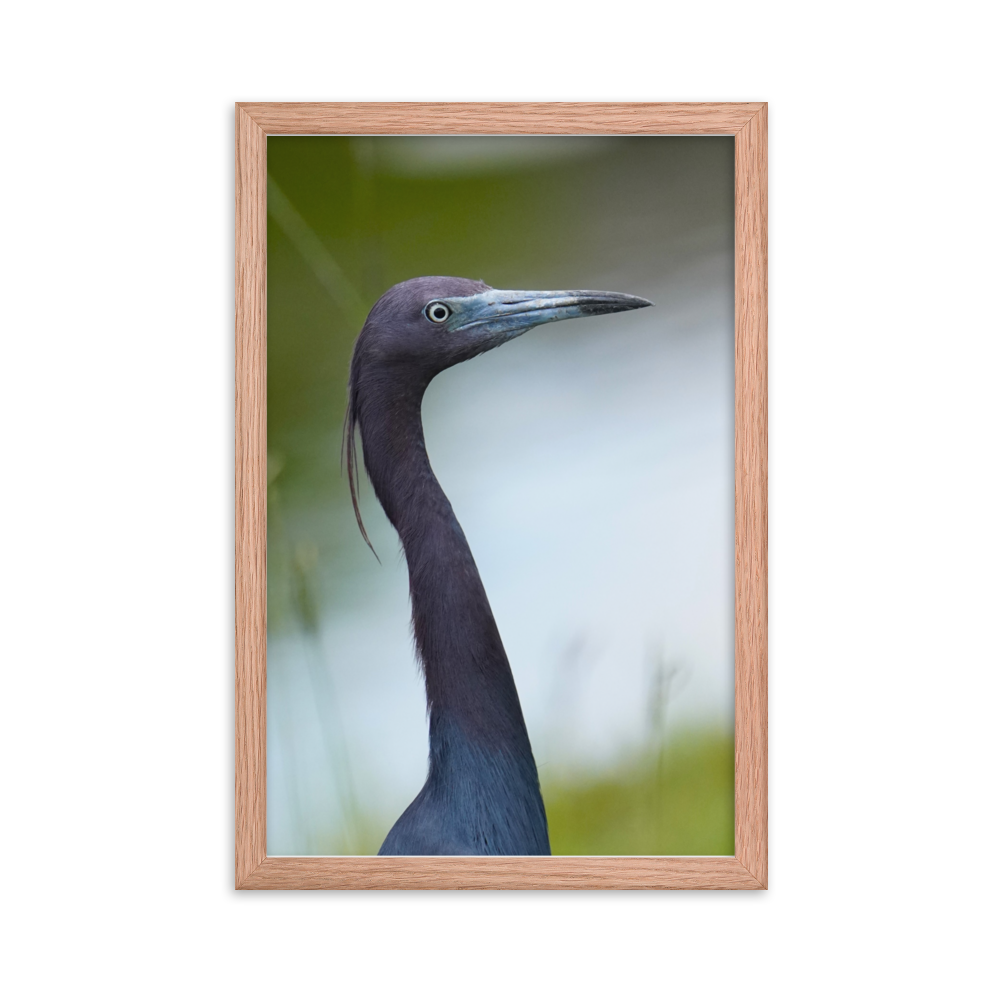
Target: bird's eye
<point>437,312</point>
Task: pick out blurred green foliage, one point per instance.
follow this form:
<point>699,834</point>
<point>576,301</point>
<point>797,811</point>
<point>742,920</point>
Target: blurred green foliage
<point>673,799</point>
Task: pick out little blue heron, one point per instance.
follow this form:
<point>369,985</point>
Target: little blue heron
<point>481,795</point>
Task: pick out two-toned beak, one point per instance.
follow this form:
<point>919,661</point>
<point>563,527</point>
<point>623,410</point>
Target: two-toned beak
<point>500,315</point>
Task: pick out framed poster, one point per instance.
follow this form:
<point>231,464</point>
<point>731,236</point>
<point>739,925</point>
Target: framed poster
<point>748,124</point>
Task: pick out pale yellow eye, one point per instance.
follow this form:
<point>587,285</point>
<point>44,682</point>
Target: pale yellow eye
<point>437,312</point>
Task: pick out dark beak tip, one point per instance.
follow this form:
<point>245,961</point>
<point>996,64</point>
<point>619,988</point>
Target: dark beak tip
<point>634,302</point>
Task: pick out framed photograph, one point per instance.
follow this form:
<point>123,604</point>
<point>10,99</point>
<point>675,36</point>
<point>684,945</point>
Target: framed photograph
<point>501,496</point>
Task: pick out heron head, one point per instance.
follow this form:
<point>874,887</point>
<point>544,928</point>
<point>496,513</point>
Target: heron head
<point>434,323</point>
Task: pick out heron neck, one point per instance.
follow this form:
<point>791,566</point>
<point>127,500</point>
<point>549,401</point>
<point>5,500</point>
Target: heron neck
<point>468,678</point>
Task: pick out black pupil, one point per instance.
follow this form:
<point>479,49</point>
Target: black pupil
<point>439,313</point>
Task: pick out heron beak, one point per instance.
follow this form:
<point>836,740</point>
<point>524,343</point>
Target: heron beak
<point>499,315</point>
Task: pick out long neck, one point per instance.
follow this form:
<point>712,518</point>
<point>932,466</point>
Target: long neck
<point>467,675</point>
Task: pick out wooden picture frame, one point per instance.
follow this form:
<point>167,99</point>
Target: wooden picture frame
<point>747,869</point>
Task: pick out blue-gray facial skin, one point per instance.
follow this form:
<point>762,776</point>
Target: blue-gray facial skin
<point>482,794</point>
<point>498,315</point>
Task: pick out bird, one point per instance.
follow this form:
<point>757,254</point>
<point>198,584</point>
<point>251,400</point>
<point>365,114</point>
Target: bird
<point>482,794</point>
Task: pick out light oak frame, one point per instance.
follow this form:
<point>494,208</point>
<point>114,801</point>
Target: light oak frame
<point>748,868</point>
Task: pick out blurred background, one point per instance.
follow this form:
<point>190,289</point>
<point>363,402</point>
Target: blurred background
<point>590,464</point>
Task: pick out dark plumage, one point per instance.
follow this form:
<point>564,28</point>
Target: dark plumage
<point>481,794</point>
